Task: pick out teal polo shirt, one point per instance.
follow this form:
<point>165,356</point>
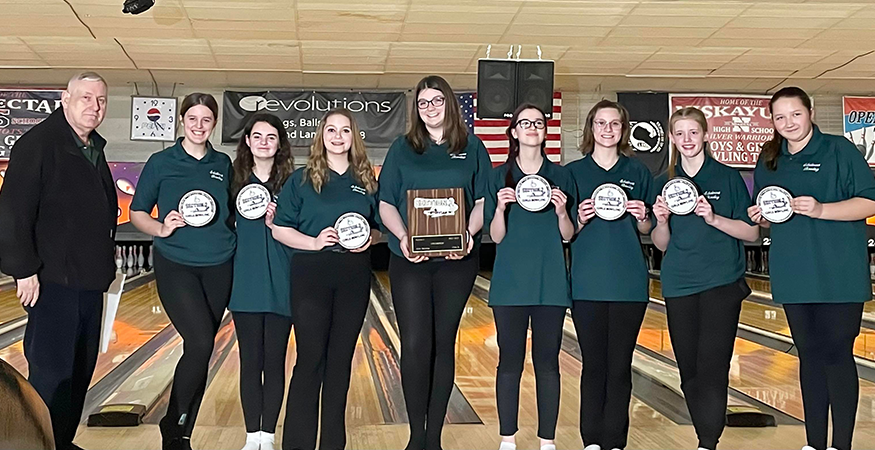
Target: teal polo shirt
<point>815,260</point>
<point>700,257</point>
<point>300,207</point>
<point>262,268</point>
<point>607,261</point>
<point>529,265</point>
<point>435,168</point>
<point>170,174</point>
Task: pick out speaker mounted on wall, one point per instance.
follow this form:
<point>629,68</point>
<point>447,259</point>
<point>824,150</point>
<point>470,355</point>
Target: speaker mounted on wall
<point>502,85</point>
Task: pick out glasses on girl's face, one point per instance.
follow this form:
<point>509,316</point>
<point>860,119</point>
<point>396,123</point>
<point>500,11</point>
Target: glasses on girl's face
<point>604,124</point>
<point>437,102</point>
<point>525,124</point>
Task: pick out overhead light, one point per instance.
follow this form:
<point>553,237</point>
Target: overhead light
<point>137,6</point>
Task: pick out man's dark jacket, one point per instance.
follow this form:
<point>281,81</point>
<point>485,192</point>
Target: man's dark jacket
<point>58,211</point>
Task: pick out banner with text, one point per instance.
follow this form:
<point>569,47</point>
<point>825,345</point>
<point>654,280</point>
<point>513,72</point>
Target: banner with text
<point>649,133</point>
<point>738,125</point>
<point>20,110</point>
<point>859,125</point>
<point>381,116</point>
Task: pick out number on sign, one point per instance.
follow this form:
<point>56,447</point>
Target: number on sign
<point>871,242</point>
<point>767,241</point>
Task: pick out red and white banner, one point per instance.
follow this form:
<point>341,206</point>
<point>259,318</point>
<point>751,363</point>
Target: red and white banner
<point>738,125</point>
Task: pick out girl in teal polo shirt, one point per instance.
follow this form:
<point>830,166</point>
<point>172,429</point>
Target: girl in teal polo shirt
<point>260,294</point>
<point>703,271</point>
<point>193,265</point>
<point>429,295</point>
<point>330,286</point>
<point>608,275</point>
<point>818,258</point>
<point>529,280</point>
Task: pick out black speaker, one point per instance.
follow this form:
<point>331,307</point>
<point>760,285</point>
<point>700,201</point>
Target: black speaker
<point>496,88</point>
<point>535,85</point>
<point>502,85</point>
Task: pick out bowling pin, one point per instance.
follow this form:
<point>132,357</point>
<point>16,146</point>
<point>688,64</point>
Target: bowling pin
<point>118,258</point>
<point>151,251</point>
<point>130,257</point>
<point>140,259</point>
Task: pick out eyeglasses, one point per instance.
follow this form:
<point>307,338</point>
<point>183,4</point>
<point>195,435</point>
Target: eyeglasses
<point>437,102</point>
<point>604,124</point>
<point>525,124</point>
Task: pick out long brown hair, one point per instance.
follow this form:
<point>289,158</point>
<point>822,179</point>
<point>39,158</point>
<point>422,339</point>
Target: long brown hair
<point>587,143</point>
<point>513,149</point>
<point>455,130</point>
<point>772,149</point>
<point>317,171</point>
<point>283,161</point>
<point>691,113</point>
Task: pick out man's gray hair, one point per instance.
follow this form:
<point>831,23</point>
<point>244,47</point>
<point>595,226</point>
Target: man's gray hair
<point>86,76</point>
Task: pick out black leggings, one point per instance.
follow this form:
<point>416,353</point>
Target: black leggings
<point>824,335</point>
<point>429,299</point>
<point>607,333</point>
<point>702,328</point>
<point>330,294</point>
<point>194,299</point>
<point>263,338</point>
<point>512,324</point>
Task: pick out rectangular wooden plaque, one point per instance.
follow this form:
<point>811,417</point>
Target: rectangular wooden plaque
<point>436,221</point>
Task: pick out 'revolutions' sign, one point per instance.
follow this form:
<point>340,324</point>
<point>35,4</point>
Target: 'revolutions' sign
<point>381,116</point>
<point>738,125</point>
<point>20,110</point>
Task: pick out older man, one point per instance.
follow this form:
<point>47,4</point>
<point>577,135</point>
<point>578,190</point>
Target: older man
<point>58,210</point>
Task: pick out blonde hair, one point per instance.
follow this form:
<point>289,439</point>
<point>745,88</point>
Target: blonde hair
<point>317,171</point>
<point>685,113</point>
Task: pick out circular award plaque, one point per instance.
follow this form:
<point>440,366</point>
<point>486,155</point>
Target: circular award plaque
<point>774,201</point>
<point>353,230</point>
<point>197,208</point>
<point>533,193</point>
<point>609,201</point>
<point>680,195</point>
<point>252,201</point>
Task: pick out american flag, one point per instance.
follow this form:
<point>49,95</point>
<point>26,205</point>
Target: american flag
<point>492,131</point>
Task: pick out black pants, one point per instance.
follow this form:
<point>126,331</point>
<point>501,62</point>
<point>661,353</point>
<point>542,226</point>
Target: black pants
<point>512,325</point>
<point>194,299</point>
<point>429,299</point>
<point>607,333</point>
<point>61,340</point>
<point>824,335</point>
<point>263,339</point>
<point>330,294</point>
<point>702,328</point>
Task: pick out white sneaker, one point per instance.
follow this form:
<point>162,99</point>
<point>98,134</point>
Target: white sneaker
<point>548,447</point>
<point>507,446</point>
<point>267,440</point>
<point>593,447</point>
<point>808,447</point>
<point>253,441</point>
<point>831,448</point>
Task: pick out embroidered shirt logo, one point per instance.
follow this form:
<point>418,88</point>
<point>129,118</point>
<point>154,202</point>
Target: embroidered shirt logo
<point>712,195</point>
<point>462,155</point>
<point>811,167</point>
<point>358,189</point>
<point>217,175</point>
<point>626,184</point>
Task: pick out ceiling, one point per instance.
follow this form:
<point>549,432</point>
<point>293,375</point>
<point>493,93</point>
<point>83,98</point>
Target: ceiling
<point>680,45</point>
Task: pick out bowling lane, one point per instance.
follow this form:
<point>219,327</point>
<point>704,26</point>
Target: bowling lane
<point>476,362</point>
<point>771,317</point>
<point>10,307</point>
<point>140,317</point>
<point>767,375</point>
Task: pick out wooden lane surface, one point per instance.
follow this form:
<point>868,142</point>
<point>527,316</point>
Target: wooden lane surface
<point>10,306</point>
<point>140,316</point>
<point>769,376</point>
<point>477,360</point>
<point>772,318</point>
